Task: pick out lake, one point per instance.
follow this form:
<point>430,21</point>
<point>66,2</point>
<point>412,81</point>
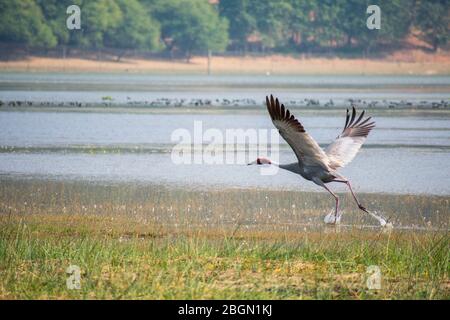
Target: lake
<point>407,153</point>
<point>222,90</point>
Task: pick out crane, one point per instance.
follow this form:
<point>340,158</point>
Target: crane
<point>318,165</point>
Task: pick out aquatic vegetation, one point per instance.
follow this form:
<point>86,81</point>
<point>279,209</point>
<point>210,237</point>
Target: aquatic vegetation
<point>140,241</point>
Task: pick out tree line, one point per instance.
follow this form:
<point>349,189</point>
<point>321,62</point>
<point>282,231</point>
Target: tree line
<point>184,27</point>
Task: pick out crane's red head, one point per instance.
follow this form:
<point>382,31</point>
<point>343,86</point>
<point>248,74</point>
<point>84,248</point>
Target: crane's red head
<point>261,161</point>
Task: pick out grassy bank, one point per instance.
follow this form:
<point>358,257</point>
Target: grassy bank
<point>417,63</point>
<point>151,242</point>
<point>120,258</point>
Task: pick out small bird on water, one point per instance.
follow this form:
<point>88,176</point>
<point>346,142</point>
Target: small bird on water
<point>318,165</point>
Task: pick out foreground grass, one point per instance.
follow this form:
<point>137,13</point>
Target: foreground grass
<point>123,258</point>
<point>150,242</point>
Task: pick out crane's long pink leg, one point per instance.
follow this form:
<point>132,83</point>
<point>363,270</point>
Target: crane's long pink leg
<point>353,194</point>
<point>322,184</point>
<point>383,222</point>
<point>337,201</point>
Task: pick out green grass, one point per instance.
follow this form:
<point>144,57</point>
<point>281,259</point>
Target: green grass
<point>136,243</point>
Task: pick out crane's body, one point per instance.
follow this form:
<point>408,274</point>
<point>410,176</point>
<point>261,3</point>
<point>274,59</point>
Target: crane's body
<point>309,173</point>
<point>315,164</point>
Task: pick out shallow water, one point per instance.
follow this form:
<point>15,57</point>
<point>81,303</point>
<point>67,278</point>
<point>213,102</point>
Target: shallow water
<point>406,153</point>
<point>248,90</point>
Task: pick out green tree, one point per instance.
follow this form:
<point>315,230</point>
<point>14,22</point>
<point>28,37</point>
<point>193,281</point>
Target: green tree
<point>343,22</point>
<point>188,26</point>
<point>301,23</point>
<point>241,22</point>
<point>97,17</point>
<point>23,22</point>
<point>351,20</point>
<point>55,14</point>
<point>433,20</point>
<point>137,30</point>
<point>326,34</point>
<point>271,17</point>
<point>396,21</point>
<point>191,25</point>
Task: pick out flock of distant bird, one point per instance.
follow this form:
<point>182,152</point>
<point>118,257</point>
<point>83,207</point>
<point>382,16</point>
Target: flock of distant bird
<point>167,102</point>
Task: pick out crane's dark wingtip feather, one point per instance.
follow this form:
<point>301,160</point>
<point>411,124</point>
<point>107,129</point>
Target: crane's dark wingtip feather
<point>269,107</point>
<point>353,116</point>
<point>359,118</point>
<point>347,117</point>
<point>357,128</point>
<point>279,112</point>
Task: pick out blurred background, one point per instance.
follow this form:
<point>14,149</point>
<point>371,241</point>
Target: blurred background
<point>182,29</point>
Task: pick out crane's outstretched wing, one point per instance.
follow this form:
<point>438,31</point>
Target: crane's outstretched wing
<point>306,149</point>
<point>348,143</point>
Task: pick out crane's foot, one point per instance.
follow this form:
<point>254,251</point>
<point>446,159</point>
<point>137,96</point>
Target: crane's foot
<point>384,223</point>
<point>332,218</point>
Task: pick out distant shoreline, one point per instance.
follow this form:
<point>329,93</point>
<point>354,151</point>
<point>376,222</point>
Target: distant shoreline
<point>410,63</point>
<point>225,110</point>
